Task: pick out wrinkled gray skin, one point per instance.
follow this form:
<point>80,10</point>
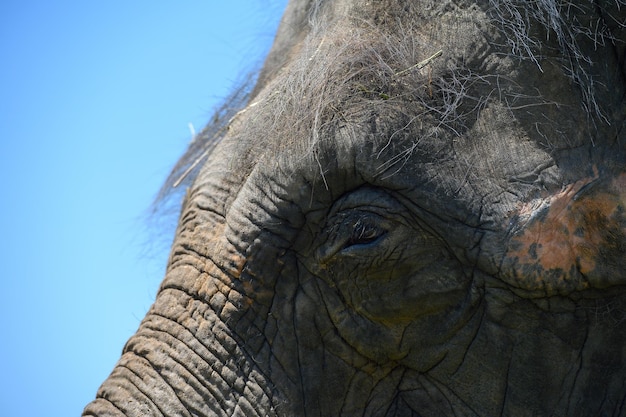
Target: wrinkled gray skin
<point>371,237</point>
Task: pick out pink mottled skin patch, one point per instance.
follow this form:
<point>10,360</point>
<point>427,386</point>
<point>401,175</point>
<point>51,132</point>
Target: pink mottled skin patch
<point>562,248</point>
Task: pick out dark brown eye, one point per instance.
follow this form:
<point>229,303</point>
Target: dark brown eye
<point>364,233</point>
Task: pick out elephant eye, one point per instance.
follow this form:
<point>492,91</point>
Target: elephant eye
<point>364,233</point>
<point>360,226</point>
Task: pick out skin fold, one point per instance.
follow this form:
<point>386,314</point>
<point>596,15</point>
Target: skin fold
<point>418,210</point>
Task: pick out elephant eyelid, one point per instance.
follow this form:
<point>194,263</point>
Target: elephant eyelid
<point>364,233</point>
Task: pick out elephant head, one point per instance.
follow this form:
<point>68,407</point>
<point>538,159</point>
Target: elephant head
<point>420,210</point>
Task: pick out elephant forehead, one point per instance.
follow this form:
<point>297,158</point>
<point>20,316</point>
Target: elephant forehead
<point>472,178</point>
<point>448,122</point>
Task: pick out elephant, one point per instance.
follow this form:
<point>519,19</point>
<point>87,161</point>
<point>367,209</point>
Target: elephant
<point>416,208</point>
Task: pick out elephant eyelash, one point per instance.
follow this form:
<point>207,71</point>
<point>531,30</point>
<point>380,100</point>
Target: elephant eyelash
<point>364,233</point>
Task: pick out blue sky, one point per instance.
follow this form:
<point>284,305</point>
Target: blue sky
<point>97,98</point>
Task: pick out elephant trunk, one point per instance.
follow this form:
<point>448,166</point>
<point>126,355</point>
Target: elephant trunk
<point>192,353</point>
<point>182,361</point>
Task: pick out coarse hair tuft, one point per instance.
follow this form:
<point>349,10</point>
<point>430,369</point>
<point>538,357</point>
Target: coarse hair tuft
<point>387,64</point>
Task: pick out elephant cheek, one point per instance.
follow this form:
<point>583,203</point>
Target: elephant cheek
<point>412,295</point>
<point>405,316</point>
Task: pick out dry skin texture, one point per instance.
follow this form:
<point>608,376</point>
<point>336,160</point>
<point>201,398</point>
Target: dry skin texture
<point>415,208</point>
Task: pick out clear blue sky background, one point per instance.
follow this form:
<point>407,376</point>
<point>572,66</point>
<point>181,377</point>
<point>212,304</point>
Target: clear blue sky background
<point>96,98</point>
